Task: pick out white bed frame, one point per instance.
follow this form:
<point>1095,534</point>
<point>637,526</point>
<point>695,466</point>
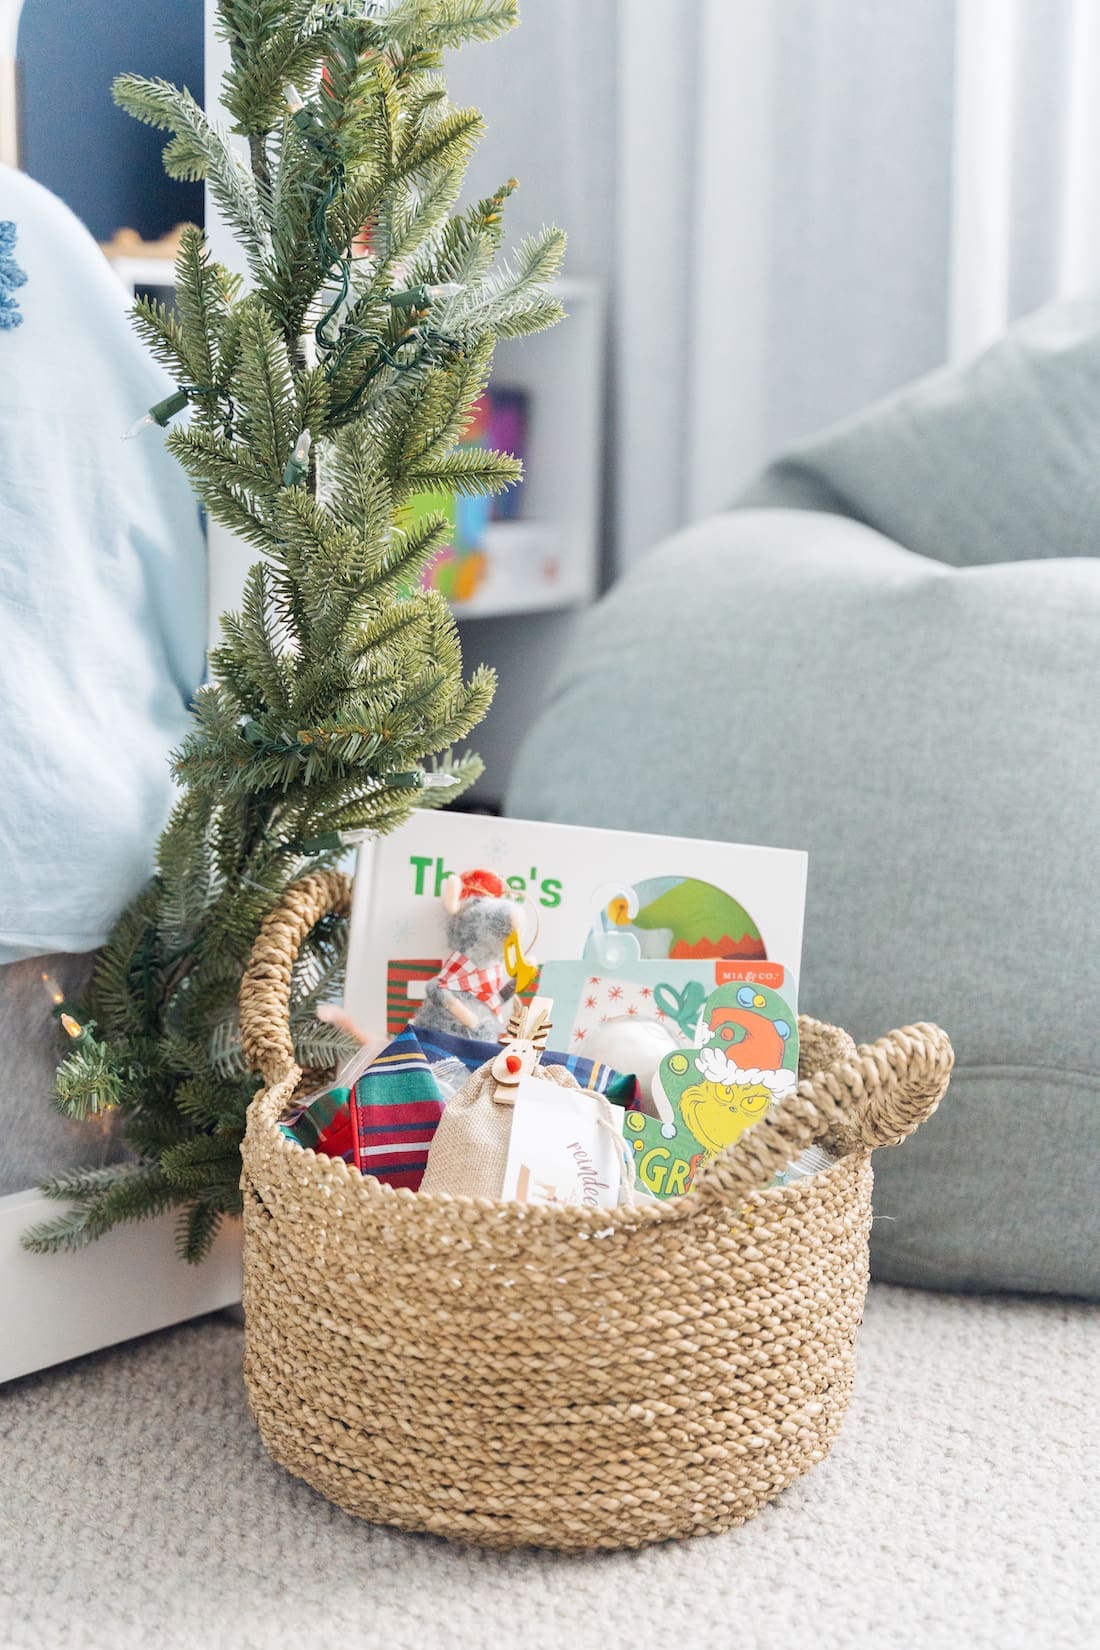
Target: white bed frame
<point>54,1307</point>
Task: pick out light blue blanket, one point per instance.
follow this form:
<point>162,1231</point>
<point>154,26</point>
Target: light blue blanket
<point>102,592</point>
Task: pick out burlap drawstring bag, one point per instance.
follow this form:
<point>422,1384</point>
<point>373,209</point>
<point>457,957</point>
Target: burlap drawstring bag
<point>574,1378</point>
<point>470,1147</point>
<point>469,1151</point>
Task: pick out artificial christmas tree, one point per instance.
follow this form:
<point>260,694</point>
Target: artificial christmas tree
<point>322,400</point>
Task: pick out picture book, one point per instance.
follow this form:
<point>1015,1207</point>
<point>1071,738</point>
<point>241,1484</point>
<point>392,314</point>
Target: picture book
<point>581,891</point>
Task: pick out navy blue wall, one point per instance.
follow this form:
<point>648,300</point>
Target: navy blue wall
<point>102,163</point>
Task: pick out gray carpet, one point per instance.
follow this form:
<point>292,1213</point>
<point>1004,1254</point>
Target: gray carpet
<point>961,1508</point>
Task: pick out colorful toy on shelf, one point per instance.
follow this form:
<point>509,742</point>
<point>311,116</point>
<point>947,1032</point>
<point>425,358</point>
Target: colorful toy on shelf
<point>454,571</point>
<point>416,510</point>
<point>506,432</point>
<point>457,574</point>
<point>458,571</point>
<point>474,513</point>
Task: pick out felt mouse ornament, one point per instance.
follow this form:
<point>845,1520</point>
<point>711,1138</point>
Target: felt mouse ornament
<point>472,989</point>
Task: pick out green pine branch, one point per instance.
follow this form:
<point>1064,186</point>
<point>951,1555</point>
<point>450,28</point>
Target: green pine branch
<point>337,683</point>
<point>200,151</point>
<point>106,1198</point>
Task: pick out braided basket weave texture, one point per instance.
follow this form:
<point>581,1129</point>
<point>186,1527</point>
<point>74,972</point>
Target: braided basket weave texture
<point>568,1378</point>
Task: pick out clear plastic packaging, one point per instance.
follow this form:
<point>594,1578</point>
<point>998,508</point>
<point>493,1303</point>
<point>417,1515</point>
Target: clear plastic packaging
<point>811,1161</point>
<point>451,1075</point>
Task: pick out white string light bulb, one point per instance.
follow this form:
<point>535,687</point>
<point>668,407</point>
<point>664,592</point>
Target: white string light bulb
<point>161,413</point>
<point>297,465</point>
<point>137,426</point>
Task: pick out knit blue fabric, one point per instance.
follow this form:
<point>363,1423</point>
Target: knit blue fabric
<point>102,590</point>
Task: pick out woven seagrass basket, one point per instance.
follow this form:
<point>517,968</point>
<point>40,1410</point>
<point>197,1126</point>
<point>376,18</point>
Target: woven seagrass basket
<point>565,1378</point>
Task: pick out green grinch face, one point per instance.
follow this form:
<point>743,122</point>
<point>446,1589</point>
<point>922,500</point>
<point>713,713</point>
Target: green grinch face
<point>719,1113</point>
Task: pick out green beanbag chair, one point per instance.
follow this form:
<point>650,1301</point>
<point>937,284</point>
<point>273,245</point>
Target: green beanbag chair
<point>930,732</point>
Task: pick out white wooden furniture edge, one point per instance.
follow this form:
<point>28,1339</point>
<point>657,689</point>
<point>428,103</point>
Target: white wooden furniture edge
<point>55,1307</point>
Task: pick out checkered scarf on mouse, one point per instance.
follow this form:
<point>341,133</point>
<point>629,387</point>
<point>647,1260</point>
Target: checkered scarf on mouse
<point>458,973</point>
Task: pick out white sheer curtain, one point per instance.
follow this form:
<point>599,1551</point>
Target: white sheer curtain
<point>1026,161</point>
<point>797,205</point>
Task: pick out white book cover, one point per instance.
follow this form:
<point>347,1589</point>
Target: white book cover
<point>680,897</point>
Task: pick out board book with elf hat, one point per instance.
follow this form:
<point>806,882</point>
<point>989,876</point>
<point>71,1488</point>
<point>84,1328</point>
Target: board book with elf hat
<point>617,926</point>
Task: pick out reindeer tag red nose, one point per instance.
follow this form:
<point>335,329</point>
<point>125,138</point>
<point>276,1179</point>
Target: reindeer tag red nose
<point>513,1062</point>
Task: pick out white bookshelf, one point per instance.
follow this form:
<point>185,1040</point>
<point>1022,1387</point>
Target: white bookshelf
<point>144,272</point>
<point>548,558</point>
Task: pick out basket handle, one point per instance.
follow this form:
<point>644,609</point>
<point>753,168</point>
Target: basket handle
<point>876,1097</point>
<point>265,988</point>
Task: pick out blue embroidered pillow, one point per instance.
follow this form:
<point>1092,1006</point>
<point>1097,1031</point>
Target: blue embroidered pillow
<point>11,276</point>
<point>102,589</point>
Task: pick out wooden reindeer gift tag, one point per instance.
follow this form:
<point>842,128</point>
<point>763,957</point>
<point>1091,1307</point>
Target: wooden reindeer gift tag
<point>524,1042</point>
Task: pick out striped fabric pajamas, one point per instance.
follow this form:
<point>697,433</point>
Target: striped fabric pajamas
<point>398,1102</point>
